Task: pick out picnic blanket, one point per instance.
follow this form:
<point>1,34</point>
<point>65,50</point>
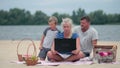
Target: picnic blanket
<point>86,60</point>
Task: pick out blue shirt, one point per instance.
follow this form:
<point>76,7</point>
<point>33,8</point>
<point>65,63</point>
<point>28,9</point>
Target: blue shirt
<point>60,35</point>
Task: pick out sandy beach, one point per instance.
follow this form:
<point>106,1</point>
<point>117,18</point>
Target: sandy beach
<point>8,53</point>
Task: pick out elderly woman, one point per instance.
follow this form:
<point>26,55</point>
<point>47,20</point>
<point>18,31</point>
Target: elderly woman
<point>53,55</point>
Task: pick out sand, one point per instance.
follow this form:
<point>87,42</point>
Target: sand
<point>8,53</point>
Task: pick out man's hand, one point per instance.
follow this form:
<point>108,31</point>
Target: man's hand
<point>75,51</point>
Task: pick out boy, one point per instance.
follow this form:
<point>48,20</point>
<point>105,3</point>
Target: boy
<point>48,37</point>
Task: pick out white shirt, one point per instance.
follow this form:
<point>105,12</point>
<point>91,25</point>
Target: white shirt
<point>49,37</point>
<point>86,38</point>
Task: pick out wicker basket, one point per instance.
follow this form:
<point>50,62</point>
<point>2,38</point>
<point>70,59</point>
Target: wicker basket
<point>105,53</point>
<point>29,59</point>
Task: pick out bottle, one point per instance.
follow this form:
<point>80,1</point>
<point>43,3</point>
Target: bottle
<point>96,58</point>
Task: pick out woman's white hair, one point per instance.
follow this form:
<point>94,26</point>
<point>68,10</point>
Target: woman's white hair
<point>67,20</point>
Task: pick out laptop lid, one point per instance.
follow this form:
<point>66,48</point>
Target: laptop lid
<point>65,45</point>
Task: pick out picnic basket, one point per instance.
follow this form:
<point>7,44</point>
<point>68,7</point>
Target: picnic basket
<point>29,59</point>
<point>105,53</point>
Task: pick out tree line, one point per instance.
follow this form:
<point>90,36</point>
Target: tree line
<point>16,16</point>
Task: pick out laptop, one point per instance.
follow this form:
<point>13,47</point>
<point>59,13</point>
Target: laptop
<point>65,45</point>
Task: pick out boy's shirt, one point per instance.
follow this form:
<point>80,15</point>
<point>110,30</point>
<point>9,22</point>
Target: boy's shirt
<point>49,37</point>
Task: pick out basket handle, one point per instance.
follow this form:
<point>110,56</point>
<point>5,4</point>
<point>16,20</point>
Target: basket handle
<point>34,53</point>
<point>114,47</point>
<point>23,40</point>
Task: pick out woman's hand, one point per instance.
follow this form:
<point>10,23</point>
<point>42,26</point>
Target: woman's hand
<point>54,52</point>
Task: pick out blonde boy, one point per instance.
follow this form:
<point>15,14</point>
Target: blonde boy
<point>48,37</point>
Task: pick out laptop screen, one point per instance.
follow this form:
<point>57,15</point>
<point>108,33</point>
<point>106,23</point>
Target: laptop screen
<point>65,45</point>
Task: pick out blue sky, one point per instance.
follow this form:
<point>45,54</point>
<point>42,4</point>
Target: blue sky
<point>62,6</point>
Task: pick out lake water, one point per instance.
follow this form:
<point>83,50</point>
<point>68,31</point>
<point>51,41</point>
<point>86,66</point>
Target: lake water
<point>106,32</point>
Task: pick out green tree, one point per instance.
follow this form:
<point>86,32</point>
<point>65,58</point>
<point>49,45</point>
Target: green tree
<point>76,15</point>
<point>3,17</point>
<point>60,16</point>
<point>98,17</point>
<point>40,18</point>
<point>113,18</point>
<point>28,18</point>
<point>16,16</point>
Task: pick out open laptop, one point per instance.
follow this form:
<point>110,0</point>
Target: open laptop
<point>65,45</point>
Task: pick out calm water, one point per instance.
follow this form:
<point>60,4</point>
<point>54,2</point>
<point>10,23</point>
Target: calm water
<point>106,32</point>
